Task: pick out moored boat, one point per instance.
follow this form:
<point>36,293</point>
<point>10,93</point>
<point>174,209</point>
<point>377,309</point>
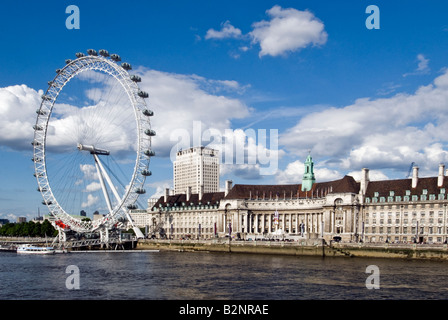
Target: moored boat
<point>8,248</point>
<point>30,249</point>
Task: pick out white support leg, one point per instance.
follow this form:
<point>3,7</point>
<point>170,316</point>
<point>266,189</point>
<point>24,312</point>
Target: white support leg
<point>103,186</point>
<point>137,231</point>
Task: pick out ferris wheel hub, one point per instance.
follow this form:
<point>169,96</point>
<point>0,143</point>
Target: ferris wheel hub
<point>93,150</point>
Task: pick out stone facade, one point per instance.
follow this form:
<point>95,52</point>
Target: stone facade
<point>404,211</point>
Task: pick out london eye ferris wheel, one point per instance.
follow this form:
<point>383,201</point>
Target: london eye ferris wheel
<point>92,143</point>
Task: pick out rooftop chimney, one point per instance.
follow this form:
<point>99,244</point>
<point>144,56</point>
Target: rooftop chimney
<point>414,176</point>
<point>188,193</point>
<point>167,193</point>
<point>201,192</point>
<point>441,175</point>
<point>228,186</point>
<point>364,180</point>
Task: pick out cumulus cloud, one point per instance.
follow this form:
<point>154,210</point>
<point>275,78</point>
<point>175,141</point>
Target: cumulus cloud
<point>94,186</point>
<point>422,67</point>
<point>91,200</point>
<point>248,154</point>
<point>17,115</point>
<point>288,30</point>
<point>160,187</point>
<point>378,133</point>
<point>180,100</point>
<point>294,171</point>
<point>374,175</point>
<point>227,31</point>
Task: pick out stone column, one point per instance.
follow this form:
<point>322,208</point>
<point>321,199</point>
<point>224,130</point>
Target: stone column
<point>256,224</point>
<point>297,223</point>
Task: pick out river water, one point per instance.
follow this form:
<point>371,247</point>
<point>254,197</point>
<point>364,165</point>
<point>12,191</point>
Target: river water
<point>216,276</point>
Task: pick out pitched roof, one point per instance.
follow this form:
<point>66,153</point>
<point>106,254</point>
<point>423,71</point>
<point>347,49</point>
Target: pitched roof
<point>399,187</point>
<point>243,191</point>
<point>345,185</point>
<point>181,199</point>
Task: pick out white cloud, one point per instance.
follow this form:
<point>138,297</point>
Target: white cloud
<point>422,67</point>
<point>294,173</point>
<point>246,154</point>
<point>160,187</point>
<point>177,100</point>
<point>180,100</point>
<point>89,172</point>
<point>422,63</point>
<point>91,200</point>
<point>374,175</point>
<point>94,186</point>
<point>227,31</point>
<point>17,115</point>
<point>288,30</point>
<point>382,133</point>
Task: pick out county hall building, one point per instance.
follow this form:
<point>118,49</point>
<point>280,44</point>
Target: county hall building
<point>404,210</point>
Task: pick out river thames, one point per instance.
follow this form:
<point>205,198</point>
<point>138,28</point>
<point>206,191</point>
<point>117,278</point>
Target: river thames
<point>215,276</point>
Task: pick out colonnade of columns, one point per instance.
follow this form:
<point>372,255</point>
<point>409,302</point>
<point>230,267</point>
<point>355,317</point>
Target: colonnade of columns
<point>248,222</point>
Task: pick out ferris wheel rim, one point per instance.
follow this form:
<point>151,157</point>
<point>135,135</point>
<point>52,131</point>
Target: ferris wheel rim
<point>119,73</point>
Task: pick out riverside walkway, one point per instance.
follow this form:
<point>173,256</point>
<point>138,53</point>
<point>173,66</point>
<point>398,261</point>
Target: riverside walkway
<point>306,247</point>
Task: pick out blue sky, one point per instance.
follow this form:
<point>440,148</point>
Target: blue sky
<point>355,97</point>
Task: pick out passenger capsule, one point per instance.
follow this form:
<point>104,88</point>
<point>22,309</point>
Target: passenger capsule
<point>146,173</point>
<point>136,78</point>
<point>38,128</point>
<point>68,61</point>
<point>148,113</point>
<point>35,143</point>
<point>115,57</point>
<point>92,52</point>
<point>58,71</point>
<point>45,97</point>
<point>104,53</point>
<point>80,55</point>
<point>132,207</point>
<point>46,203</point>
<point>150,153</point>
<point>143,94</point>
<point>41,112</point>
<point>150,132</point>
<point>140,191</point>
<point>126,66</point>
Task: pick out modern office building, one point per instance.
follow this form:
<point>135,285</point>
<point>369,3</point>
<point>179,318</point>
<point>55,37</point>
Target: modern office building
<point>197,168</point>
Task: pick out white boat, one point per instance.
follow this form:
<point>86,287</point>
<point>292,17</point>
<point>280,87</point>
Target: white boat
<point>30,249</point>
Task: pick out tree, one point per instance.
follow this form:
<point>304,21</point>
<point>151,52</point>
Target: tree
<point>29,229</point>
<point>47,229</point>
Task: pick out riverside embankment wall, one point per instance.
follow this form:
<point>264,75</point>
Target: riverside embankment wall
<point>302,248</point>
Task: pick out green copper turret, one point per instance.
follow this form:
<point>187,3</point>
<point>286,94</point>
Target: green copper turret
<point>308,177</point>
